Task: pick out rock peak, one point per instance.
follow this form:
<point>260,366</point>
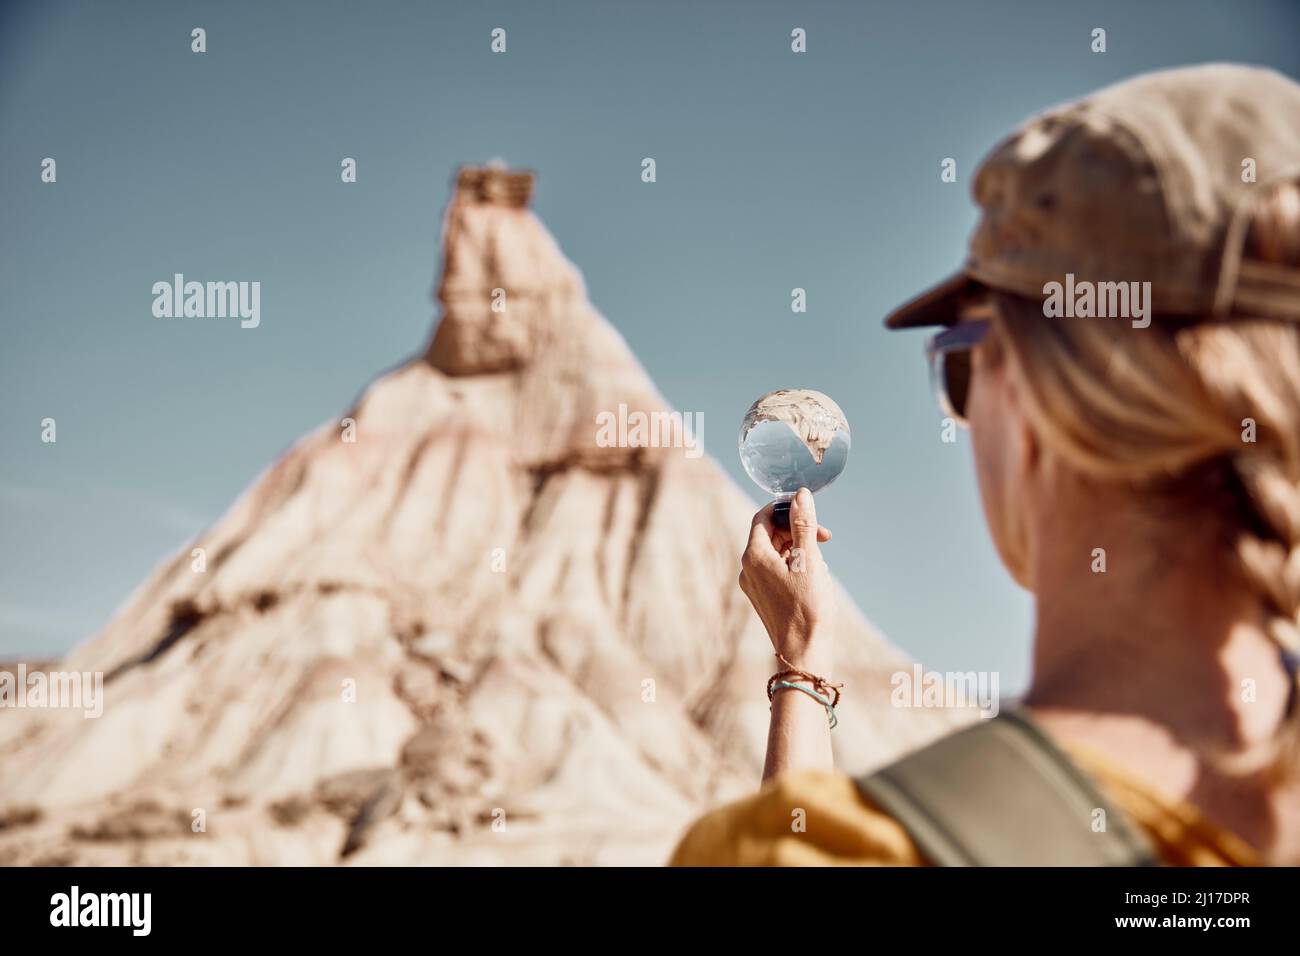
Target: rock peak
<point>496,185</point>
<point>506,289</point>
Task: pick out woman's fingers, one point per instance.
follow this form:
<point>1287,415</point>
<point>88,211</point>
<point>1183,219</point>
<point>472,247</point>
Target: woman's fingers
<point>765,537</point>
<point>760,536</point>
<point>765,544</point>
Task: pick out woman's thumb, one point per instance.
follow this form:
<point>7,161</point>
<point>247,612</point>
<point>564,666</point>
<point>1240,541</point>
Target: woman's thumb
<point>803,521</point>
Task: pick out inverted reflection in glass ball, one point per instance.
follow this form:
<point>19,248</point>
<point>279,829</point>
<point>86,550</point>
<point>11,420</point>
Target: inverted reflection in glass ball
<point>792,439</point>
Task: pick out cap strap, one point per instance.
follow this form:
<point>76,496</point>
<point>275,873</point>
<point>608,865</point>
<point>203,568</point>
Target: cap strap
<point>1245,286</point>
<point>1267,289</point>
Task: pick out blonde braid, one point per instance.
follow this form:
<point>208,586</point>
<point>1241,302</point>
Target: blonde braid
<point>1272,563</point>
<point>1269,559</point>
<point>1269,472</point>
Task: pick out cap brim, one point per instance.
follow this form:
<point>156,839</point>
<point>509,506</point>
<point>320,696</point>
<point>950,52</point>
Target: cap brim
<point>936,306</point>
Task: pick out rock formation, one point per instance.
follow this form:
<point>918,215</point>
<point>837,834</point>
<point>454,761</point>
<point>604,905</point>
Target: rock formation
<point>446,628</point>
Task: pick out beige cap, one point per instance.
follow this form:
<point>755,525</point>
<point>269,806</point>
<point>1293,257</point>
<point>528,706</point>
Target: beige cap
<point>1144,181</point>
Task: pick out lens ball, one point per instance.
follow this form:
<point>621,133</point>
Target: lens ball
<point>794,438</point>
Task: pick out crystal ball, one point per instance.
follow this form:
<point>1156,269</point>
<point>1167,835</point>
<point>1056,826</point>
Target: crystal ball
<point>794,438</point>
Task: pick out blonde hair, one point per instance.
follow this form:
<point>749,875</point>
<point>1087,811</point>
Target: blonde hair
<point>1207,412</point>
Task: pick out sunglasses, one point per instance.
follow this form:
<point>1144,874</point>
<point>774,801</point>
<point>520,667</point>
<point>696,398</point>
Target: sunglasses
<point>949,355</point>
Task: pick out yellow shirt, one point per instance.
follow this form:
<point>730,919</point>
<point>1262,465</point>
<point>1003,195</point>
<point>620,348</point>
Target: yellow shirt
<point>843,828</point>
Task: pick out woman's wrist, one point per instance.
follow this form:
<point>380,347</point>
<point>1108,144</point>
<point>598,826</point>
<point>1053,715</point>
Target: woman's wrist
<point>798,736</point>
<point>815,654</point>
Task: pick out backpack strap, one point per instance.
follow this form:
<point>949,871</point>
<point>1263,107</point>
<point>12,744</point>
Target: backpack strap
<point>1000,793</point>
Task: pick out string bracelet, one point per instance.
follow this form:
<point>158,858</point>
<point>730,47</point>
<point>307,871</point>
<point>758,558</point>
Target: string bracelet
<point>820,698</point>
<point>820,684</point>
<point>823,691</point>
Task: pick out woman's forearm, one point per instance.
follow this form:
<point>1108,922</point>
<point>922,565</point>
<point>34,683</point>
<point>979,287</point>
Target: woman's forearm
<point>798,737</point>
<point>798,734</point>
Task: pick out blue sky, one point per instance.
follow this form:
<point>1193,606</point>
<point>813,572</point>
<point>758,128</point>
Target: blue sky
<point>775,171</point>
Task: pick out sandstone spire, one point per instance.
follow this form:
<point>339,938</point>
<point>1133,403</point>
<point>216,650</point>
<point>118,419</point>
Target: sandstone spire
<point>471,635</point>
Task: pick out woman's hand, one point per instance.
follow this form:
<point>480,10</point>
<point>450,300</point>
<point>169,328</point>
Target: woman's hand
<point>783,575</point>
